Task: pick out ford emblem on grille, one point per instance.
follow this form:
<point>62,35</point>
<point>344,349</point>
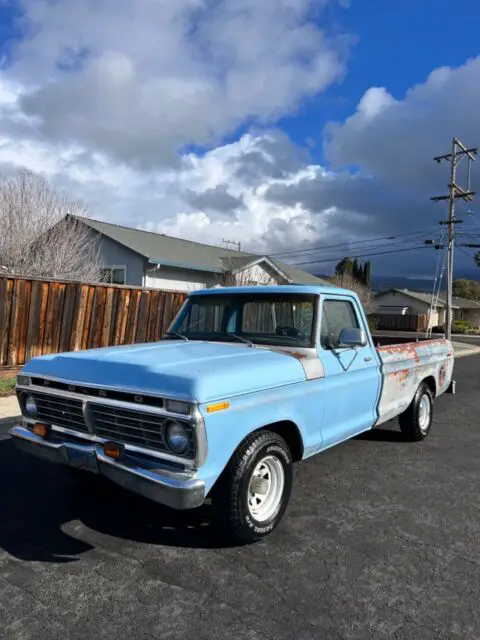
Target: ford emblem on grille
<point>138,398</point>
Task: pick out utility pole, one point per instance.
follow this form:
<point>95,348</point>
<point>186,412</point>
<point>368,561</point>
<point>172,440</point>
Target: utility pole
<point>458,151</point>
<point>235,244</point>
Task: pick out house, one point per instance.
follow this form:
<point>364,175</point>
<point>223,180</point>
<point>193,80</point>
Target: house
<point>405,302</point>
<point>143,258</point>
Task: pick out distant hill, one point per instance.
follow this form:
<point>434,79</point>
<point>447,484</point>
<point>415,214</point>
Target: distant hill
<point>380,283</point>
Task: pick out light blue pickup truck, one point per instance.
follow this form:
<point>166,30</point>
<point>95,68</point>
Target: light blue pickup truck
<point>247,381</point>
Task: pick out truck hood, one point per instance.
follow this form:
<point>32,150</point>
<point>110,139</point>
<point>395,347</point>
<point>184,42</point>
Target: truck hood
<point>198,371</point>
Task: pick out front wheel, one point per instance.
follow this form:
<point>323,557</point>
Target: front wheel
<point>416,421</point>
<point>253,491</point>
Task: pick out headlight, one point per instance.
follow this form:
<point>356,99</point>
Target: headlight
<point>176,437</point>
<point>22,380</point>
<point>29,405</point>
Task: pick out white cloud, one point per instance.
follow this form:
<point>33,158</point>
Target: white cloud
<point>139,80</point>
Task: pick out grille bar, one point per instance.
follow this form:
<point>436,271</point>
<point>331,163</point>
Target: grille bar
<point>138,428</point>
<point>63,412</point>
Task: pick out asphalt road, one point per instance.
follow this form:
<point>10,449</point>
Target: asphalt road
<point>382,540</point>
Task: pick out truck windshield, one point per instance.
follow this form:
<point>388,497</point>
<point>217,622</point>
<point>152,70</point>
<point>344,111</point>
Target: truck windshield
<point>281,319</point>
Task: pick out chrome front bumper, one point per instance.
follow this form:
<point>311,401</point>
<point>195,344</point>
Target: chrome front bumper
<point>170,490</point>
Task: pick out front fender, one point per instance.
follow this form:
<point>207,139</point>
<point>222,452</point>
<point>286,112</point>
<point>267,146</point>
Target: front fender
<point>227,428</point>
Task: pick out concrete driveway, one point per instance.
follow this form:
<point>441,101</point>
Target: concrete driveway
<point>382,540</point>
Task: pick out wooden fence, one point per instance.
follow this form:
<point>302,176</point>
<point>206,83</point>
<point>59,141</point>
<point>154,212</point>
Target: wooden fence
<point>49,316</point>
<point>397,322</point>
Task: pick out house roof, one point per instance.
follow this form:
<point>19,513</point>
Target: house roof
<point>464,303</point>
<point>159,248</point>
<point>457,303</point>
<point>416,295</point>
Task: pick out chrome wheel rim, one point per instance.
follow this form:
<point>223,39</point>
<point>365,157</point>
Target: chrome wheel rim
<point>424,412</point>
<point>265,488</point>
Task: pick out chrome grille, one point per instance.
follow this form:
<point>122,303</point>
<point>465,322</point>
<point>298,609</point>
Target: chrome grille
<point>60,411</point>
<point>137,428</point>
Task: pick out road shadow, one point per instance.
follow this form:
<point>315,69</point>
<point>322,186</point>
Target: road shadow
<point>38,498</point>
<point>382,435</point>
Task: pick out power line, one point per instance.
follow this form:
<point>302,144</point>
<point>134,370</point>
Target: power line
<point>381,253</point>
<point>349,244</point>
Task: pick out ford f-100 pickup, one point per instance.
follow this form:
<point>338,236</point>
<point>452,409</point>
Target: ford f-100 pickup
<point>246,381</point>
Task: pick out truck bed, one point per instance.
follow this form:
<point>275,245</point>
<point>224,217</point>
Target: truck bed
<point>405,365</point>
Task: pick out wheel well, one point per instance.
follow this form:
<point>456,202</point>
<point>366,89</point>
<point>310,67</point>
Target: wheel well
<point>432,385</point>
<point>291,434</point>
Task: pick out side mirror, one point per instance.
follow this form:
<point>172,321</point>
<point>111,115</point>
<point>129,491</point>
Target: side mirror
<point>352,338</point>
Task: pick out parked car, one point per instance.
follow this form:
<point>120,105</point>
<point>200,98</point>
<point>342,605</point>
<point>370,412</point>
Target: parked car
<point>246,382</point>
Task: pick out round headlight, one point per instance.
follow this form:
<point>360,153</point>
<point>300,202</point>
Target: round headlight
<point>177,438</point>
<point>30,405</point>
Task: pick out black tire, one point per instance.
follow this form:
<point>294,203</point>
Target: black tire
<point>230,498</point>
<point>411,424</point>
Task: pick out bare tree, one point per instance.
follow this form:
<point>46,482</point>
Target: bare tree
<point>347,281</point>
<point>39,236</point>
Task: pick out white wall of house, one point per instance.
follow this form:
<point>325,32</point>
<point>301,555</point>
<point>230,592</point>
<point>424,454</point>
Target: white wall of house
<point>177,279</point>
<point>257,274</point>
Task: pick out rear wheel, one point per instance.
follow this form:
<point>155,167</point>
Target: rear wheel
<point>416,421</point>
<point>253,492</point>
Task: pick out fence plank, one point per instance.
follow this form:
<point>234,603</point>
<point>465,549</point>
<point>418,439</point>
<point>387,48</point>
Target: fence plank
<point>47,316</point>
<point>43,315</point>
<point>143,317</point>
<point>96,324</point>
<point>58,302</point>
<point>66,332</point>
<point>6,292</point>
<point>47,345</point>
<point>15,318</point>
<point>133,314</point>
<point>80,320</point>
<point>88,316</point>
<point>107,318</point>
<point>25,301</point>
<point>154,312</point>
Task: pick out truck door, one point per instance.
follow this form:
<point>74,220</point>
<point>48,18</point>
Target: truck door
<point>352,375</point>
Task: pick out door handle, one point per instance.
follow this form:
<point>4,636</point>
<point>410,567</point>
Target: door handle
<point>367,358</point>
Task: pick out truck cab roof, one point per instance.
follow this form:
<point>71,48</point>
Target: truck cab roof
<point>282,288</point>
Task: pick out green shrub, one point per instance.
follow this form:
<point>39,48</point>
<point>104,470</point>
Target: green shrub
<point>461,326</point>
<point>7,386</point>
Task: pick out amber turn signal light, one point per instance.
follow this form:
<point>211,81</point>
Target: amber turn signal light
<point>41,430</point>
<point>113,450</point>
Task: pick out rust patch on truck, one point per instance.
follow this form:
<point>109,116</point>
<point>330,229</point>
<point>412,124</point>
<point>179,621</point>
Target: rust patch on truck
<point>441,376</point>
<point>401,375</point>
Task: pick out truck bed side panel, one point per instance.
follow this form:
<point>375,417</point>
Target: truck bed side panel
<point>405,366</point>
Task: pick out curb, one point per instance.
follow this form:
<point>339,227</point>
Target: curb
<point>465,355</point>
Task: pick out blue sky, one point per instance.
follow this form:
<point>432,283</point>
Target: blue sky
<point>222,133</point>
<point>397,45</point>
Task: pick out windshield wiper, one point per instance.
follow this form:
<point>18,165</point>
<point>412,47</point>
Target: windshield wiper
<point>241,339</point>
<point>178,335</point>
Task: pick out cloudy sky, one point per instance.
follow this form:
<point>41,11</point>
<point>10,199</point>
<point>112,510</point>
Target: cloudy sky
<point>282,124</point>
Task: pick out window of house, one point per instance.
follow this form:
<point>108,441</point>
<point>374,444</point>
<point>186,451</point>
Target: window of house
<point>336,315</point>
<point>114,275</point>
